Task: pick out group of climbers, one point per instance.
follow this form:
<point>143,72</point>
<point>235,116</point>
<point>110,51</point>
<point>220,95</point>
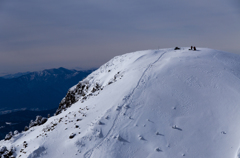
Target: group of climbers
<point>192,48</point>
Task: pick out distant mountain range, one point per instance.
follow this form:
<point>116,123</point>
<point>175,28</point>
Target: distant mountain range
<point>9,76</point>
<point>40,90</point>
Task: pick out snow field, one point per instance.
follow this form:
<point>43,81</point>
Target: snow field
<point>155,103</point>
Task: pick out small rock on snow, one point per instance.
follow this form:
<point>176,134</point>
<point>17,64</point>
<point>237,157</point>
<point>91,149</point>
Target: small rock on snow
<point>72,135</point>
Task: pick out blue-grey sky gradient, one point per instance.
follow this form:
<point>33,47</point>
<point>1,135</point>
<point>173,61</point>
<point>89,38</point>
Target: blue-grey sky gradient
<point>43,34</point>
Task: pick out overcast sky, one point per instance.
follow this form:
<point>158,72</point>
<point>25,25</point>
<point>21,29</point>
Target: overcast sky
<point>41,34</point>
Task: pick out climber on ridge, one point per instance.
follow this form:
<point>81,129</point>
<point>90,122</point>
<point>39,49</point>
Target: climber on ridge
<point>193,48</point>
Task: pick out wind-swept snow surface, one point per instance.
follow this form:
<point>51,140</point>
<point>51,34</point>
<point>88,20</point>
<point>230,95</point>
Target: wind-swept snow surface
<point>156,103</point>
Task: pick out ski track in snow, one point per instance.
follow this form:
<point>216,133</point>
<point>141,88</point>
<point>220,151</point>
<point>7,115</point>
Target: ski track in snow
<point>128,99</point>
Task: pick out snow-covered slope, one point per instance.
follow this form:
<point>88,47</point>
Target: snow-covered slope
<point>156,103</point>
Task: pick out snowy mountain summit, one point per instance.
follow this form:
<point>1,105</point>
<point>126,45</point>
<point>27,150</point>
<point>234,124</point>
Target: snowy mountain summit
<point>158,103</point>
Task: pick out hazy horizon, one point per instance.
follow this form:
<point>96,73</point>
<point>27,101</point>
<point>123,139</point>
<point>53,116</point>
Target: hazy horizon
<point>37,35</point>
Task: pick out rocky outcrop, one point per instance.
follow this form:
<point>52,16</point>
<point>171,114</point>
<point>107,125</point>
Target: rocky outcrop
<point>79,92</point>
<point>5,153</point>
<point>8,136</point>
<point>84,89</point>
<point>39,121</point>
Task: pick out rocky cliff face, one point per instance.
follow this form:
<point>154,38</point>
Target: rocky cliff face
<point>84,89</point>
<point>80,92</point>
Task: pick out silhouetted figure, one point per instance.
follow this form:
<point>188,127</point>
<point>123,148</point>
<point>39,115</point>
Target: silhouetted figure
<point>194,48</point>
<point>191,48</point>
<point>176,48</point>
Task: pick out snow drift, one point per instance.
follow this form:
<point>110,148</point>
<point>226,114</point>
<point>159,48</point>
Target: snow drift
<point>157,103</point>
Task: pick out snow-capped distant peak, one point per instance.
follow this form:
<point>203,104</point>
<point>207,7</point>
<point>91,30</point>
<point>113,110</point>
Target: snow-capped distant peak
<point>156,103</point>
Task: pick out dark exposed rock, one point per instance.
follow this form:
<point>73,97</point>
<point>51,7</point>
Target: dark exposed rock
<point>3,149</point>
<point>8,136</point>
<point>80,92</point>
<point>25,144</point>
<point>5,153</point>
<point>15,132</point>
<point>72,135</point>
<point>26,128</point>
<point>39,121</point>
